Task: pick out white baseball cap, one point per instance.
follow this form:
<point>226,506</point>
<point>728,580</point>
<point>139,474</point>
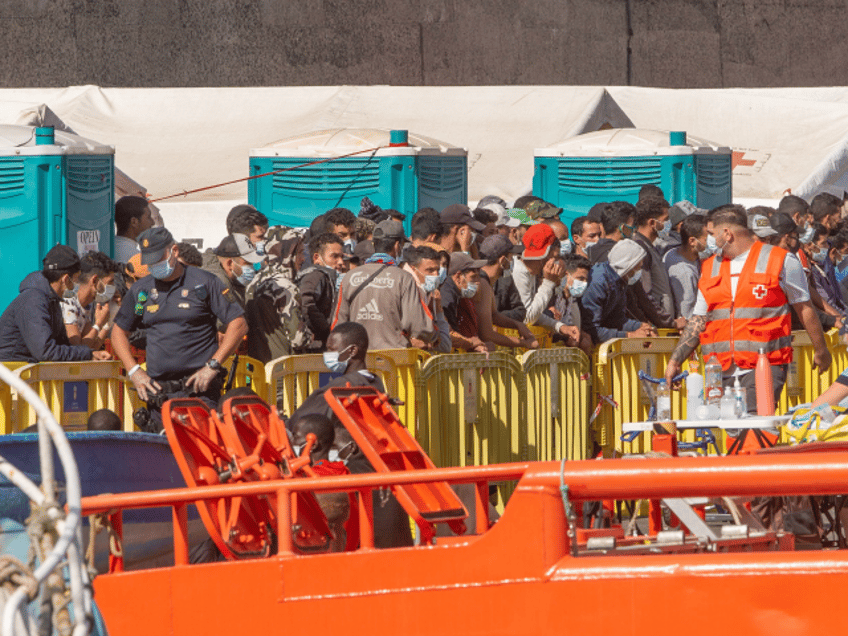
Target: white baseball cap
<point>503,217</point>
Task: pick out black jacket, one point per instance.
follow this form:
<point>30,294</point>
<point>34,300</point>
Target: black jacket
<point>32,329</point>
<point>507,299</point>
<point>318,295</point>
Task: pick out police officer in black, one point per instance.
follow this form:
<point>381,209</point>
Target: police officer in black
<point>178,306</point>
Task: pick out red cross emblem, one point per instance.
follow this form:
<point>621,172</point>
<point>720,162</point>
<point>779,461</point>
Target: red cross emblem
<point>760,291</point>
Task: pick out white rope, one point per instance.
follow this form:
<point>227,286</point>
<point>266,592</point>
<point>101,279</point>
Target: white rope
<point>70,530</point>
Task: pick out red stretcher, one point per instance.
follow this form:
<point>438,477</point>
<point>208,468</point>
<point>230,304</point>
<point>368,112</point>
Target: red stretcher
<point>372,422</point>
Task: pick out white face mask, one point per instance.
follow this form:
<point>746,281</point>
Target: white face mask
<point>106,295</point>
<point>578,287</point>
<point>635,278</point>
<point>71,293</point>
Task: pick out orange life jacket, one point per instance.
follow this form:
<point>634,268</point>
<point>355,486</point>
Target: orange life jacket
<point>757,318</point>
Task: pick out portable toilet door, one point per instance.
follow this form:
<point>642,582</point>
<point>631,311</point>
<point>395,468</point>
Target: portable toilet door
<point>54,188</point>
<point>613,165</point>
<point>315,172</point>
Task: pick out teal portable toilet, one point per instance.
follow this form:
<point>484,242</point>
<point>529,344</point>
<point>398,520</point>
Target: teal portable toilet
<point>54,188</point>
<point>408,172</point>
<point>612,165</point>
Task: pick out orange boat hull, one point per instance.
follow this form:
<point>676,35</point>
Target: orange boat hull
<point>517,578</point>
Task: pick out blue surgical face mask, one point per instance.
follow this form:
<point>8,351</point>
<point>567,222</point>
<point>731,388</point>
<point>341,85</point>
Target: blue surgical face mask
<point>247,274</point>
<point>106,295</point>
<point>332,362</point>
<point>469,291</point>
<point>577,288</point>
<point>259,246</point>
<point>162,269</point>
<point>349,244</point>
<point>431,283</point>
<point>71,293</point>
<point>820,256</point>
<point>588,245</point>
<point>566,247</point>
<point>666,229</point>
<point>635,278</point>
<point>807,236</point>
<point>443,275</point>
<point>712,246</point>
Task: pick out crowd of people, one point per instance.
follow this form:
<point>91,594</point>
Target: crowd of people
<point>734,280</point>
<point>461,280</point>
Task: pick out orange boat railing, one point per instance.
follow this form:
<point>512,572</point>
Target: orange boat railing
<point>823,473</point>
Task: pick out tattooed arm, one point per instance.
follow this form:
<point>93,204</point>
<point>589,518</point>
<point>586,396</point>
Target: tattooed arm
<point>685,346</point>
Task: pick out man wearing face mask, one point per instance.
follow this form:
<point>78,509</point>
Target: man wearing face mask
<point>787,238</point>
<point>86,315</point>
<point>567,307</point>
<point>457,292</point>
<point>585,234</point>
<point>653,295</point>
<point>232,262</point>
<point>383,298</point>
<point>537,274</point>
<point>180,307</point>
<point>603,306</point>
<point>341,221</point>
<point>683,263</point>
<point>744,296</point>
<point>822,269</point>
<point>318,284</point>
<point>423,262</point>
<point>347,348</point>
<point>462,228</point>
<point>31,327</point>
<point>500,252</point>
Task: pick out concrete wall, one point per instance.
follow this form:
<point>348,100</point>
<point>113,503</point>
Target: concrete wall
<point>663,43</point>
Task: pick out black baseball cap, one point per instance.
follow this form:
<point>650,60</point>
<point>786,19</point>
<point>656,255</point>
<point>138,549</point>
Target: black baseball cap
<point>458,214</point>
<point>61,257</point>
<point>498,245</point>
<point>154,243</point>
<point>783,224</point>
<point>462,262</point>
<point>389,229</point>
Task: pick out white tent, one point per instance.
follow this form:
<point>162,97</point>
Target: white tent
<point>169,141</point>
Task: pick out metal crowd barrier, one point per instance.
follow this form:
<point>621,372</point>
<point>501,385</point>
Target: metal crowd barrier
<point>619,394</point>
<point>73,390</point>
<point>465,409</point>
<point>557,390</point>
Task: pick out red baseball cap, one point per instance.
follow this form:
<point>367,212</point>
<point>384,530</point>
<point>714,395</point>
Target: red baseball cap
<point>537,242</point>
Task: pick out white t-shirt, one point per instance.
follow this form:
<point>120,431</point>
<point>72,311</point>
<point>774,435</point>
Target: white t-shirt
<point>75,314</point>
<point>125,249</point>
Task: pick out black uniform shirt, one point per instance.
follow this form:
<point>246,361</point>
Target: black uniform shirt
<point>180,318</point>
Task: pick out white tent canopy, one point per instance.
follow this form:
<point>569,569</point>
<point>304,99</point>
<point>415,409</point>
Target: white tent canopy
<point>173,140</point>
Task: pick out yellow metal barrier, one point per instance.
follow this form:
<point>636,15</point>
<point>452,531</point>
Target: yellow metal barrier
<point>8,404</point>
<point>473,413</point>
<point>617,367</point>
<point>249,373</point>
<point>557,393</point>
<point>407,365</point>
<point>73,390</point>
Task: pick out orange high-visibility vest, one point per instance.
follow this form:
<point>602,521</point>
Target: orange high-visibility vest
<point>757,318</point>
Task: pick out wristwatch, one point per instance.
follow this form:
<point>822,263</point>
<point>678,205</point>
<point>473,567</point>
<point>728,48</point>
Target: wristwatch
<point>214,365</point>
